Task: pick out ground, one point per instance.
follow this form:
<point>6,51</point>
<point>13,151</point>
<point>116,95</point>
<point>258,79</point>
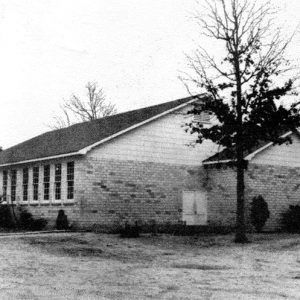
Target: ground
<point>99,266</point>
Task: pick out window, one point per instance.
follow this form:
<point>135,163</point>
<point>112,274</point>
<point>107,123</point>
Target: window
<point>13,185</point>
<point>35,181</point>
<point>46,182</point>
<point>70,180</point>
<point>204,117</point>
<point>5,177</point>
<point>25,184</point>
<point>57,182</point>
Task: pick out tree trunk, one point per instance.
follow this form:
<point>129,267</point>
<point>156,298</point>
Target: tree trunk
<point>240,235</point>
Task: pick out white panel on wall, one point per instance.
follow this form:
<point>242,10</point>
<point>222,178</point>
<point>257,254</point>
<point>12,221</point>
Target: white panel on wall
<point>163,140</point>
<point>280,155</point>
<point>194,207</point>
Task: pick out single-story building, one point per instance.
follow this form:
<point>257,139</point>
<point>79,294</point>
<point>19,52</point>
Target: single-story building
<point>142,166</point>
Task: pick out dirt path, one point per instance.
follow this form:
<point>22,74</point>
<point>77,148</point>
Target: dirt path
<point>91,266</point>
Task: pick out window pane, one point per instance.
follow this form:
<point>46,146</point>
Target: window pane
<point>70,190</point>
<point>5,178</point>
<point>25,175</point>
<point>13,185</point>
<point>46,190</point>
<point>35,180</point>
<point>25,184</point>
<point>46,182</point>
<point>57,190</point>
<point>70,180</point>
<point>58,172</point>
<point>25,192</point>
<point>47,173</point>
<point>57,183</point>
<point>35,192</point>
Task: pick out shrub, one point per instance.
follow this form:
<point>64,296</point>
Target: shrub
<point>131,231</point>
<point>25,219</point>
<point>7,219</point>
<point>153,228</point>
<point>290,220</point>
<point>38,224</point>
<point>62,220</point>
<point>259,213</point>
<point>27,222</point>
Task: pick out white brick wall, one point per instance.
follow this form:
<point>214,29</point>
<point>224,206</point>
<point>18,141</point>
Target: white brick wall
<point>281,155</point>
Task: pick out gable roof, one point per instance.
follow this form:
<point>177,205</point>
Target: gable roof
<point>80,138</point>
<point>226,155</point>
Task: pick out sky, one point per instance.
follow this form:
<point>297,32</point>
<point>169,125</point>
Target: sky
<point>134,49</point>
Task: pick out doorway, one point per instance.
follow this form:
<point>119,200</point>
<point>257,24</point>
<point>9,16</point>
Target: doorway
<point>194,207</point>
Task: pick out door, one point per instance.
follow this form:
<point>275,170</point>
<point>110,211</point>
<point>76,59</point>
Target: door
<point>194,207</point>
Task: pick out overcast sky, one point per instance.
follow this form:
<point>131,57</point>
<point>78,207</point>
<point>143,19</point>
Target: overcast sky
<point>134,49</point>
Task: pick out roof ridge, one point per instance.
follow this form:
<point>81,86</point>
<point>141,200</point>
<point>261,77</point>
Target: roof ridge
<point>111,116</point>
<point>134,110</point>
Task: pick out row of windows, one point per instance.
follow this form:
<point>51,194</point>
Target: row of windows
<point>36,183</point>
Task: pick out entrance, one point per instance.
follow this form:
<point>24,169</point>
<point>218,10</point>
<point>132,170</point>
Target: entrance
<point>194,207</point>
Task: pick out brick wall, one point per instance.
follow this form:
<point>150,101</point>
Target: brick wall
<point>112,192</point>
<point>221,196</point>
<point>279,185</point>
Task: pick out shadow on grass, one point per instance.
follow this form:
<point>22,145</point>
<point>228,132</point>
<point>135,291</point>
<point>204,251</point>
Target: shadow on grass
<point>57,240</point>
<point>70,246</point>
<point>88,246</point>
<point>199,267</point>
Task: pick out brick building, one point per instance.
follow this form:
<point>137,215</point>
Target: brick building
<point>140,166</point>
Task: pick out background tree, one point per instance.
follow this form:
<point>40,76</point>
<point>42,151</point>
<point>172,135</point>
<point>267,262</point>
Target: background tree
<point>76,110</point>
<point>244,85</point>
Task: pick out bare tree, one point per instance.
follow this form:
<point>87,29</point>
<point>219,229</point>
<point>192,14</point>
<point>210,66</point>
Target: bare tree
<point>61,121</point>
<point>244,84</point>
<point>76,110</point>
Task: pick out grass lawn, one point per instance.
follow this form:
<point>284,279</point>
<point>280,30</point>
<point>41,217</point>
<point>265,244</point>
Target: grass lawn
<point>100,266</point>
